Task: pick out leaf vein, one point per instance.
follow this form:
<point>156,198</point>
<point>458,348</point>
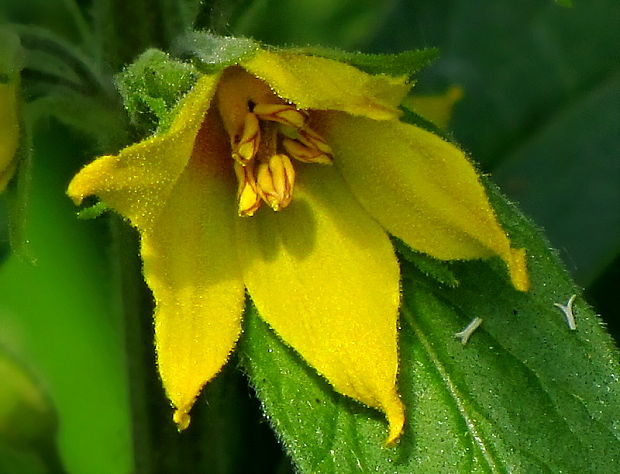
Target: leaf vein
<point>454,393</point>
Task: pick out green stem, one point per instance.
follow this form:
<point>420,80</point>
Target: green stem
<point>158,447</point>
<point>130,303</point>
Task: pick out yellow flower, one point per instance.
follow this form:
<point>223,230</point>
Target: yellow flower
<point>9,131</point>
<point>320,142</point>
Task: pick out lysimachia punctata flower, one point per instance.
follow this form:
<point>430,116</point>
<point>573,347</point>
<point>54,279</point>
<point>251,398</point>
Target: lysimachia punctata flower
<point>284,175</point>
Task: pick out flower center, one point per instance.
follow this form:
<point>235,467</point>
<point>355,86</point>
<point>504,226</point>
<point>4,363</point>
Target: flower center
<point>265,134</point>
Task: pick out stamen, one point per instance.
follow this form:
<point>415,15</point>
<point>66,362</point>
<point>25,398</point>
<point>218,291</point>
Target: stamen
<point>304,153</point>
<point>263,172</point>
<point>245,150</point>
<point>275,179</point>
<point>248,198</point>
<point>311,139</point>
<point>282,113</point>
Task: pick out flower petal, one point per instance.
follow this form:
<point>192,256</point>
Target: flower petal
<point>194,274</point>
<point>421,189</point>
<point>137,182</point>
<point>312,82</point>
<point>324,275</point>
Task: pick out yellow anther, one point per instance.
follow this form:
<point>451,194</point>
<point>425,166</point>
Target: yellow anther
<point>263,173</point>
<point>311,139</point>
<point>275,179</point>
<point>245,149</point>
<point>301,152</point>
<point>282,113</point>
<point>248,199</point>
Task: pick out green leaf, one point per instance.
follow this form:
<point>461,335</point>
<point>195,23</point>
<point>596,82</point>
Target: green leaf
<point>212,53</point>
<point>399,64</point>
<point>526,394</point>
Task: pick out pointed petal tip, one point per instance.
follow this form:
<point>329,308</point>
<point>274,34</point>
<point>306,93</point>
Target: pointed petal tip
<point>181,419</point>
<point>90,179</point>
<point>517,267</point>
<point>76,189</point>
<point>395,414</point>
<point>74,194</point>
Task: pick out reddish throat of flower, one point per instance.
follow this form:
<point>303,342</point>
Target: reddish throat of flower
<point>266,135</point>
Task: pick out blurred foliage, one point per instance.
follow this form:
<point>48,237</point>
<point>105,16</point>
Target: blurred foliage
<point>540,111</point>
<point>59,314</point>
<point>28,423</point>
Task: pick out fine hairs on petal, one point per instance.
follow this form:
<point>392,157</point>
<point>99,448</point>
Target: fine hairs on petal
<point>518,269</point>
<point>344,295</point>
